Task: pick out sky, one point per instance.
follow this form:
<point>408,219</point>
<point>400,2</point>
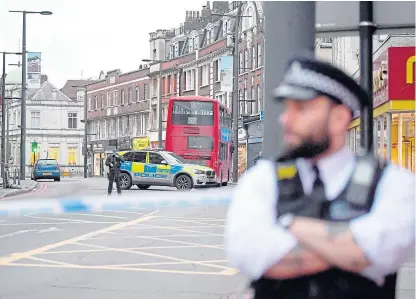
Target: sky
<point>83,37</point>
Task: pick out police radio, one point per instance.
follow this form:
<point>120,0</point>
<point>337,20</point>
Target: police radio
<point>367,172</point>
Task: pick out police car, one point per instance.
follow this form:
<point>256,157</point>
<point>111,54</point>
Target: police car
<point>145,168</point>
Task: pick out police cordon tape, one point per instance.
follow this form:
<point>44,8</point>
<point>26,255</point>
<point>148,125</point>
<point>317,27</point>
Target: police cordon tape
<point>88,204</point>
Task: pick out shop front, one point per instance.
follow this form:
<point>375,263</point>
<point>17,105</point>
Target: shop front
<point>255,131</point>
<point>394,112</point>
<point>98,157</point>
<point>242,151</point>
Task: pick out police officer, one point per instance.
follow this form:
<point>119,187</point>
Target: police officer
<point>258,157</point>
<point>319,221</point>
<point>114,163</point>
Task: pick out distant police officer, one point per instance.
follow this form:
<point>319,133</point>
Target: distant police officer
<point>114,162</point>
<point>321,222</point>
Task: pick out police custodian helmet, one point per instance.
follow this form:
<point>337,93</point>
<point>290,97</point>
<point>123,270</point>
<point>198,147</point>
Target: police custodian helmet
<point>307,78</point>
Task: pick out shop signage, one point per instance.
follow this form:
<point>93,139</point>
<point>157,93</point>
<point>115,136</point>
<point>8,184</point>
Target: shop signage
<point>410,70</point>
<point>124,143</point>
<point>401,72</point>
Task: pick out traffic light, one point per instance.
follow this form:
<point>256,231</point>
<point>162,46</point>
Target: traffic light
<point>35,147</point>
<point>34,155</point>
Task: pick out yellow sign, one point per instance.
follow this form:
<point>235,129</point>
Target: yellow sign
<point>410,64</point>
<point>140,143</point>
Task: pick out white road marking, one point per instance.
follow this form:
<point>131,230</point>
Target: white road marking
<point>58,223</point>
<point>52,229</point>
<point>38,231</point>
<point>96,215</point>
<point>17,233</point>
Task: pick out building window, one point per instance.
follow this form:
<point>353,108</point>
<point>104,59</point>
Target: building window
<point>246,60</point>
<point>53,152</point>
<point>137,94</point>
<point>95,102</point>
<point>259,98</point>
<point>89,103</point>
<point>154,118</point>
<point>146,92</point>
<point>189,80</point>
<point>191,42</point>
<point>254,58</point>
<point>72,120</point>
<point>259,55</point>
<point>102,101</point>
<point>240,63</point>
<point>115,98</point>
<point>204,75</point>
<point>108,104</point>
<point>72,155</point>
<point>241,103</point>
<point>129,96</point>
<point>154,88</point>
<point>123,98</point>
<point>35,119</point>
<point>253,98</point>
<point>249,20</point>
<point>142,123</point>
<point>247,104</point>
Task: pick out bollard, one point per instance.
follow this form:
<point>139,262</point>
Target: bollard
<point>15,176</point>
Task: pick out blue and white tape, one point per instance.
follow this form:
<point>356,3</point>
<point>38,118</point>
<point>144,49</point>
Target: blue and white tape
<point>88,204</point>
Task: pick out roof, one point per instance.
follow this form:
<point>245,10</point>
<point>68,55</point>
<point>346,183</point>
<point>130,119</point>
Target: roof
<point>45,93</point>
<point>70,91</point>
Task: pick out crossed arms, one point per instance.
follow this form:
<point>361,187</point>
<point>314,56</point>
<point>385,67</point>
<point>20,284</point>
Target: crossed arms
<point>321,245</point>
<point>376,244</point>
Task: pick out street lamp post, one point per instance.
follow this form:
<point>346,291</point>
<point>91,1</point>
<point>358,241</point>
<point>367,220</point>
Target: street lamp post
<point>23,112</point>
<point>3,115</point>
<point>235,101</point>
<point>160,102</point>
<point>85,145</point>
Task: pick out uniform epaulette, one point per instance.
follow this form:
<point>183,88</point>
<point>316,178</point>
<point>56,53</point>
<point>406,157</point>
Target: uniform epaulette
<point>286,170</point>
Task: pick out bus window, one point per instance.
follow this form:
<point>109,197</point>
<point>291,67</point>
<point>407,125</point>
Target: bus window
<point>193,113</point>
<point>200,142</point>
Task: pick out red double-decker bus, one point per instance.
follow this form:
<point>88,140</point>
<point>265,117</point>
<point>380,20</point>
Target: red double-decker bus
<point>199,130</point>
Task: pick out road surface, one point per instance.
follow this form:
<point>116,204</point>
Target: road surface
<point>168,253</point>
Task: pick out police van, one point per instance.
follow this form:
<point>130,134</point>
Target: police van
<point>145,168</point>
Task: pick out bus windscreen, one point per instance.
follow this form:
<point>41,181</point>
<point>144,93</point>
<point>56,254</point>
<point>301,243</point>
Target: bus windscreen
<point>193,113</point>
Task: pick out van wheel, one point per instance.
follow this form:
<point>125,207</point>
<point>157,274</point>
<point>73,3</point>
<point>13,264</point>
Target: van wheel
<point>125,181</point>
<point>183,182</point>
<point>143,187</point>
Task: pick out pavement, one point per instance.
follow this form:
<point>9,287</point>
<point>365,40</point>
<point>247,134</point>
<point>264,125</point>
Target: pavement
<point>25,186</point>
<point>167,253</point>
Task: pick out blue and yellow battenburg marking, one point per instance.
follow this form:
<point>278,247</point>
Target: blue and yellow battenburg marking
<point>151,171</point>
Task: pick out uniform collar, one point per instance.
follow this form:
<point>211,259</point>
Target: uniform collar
<point>331,168</point>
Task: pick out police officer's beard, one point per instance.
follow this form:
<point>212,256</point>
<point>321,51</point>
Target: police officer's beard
<point>308,149</point>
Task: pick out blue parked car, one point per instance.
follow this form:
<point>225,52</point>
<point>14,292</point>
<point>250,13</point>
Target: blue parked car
<point>46,169</point>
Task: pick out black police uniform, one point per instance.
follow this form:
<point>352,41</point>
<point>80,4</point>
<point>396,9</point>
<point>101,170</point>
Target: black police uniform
<point>114,164</point>
<point>333,283</point>
<point>306,79</point>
